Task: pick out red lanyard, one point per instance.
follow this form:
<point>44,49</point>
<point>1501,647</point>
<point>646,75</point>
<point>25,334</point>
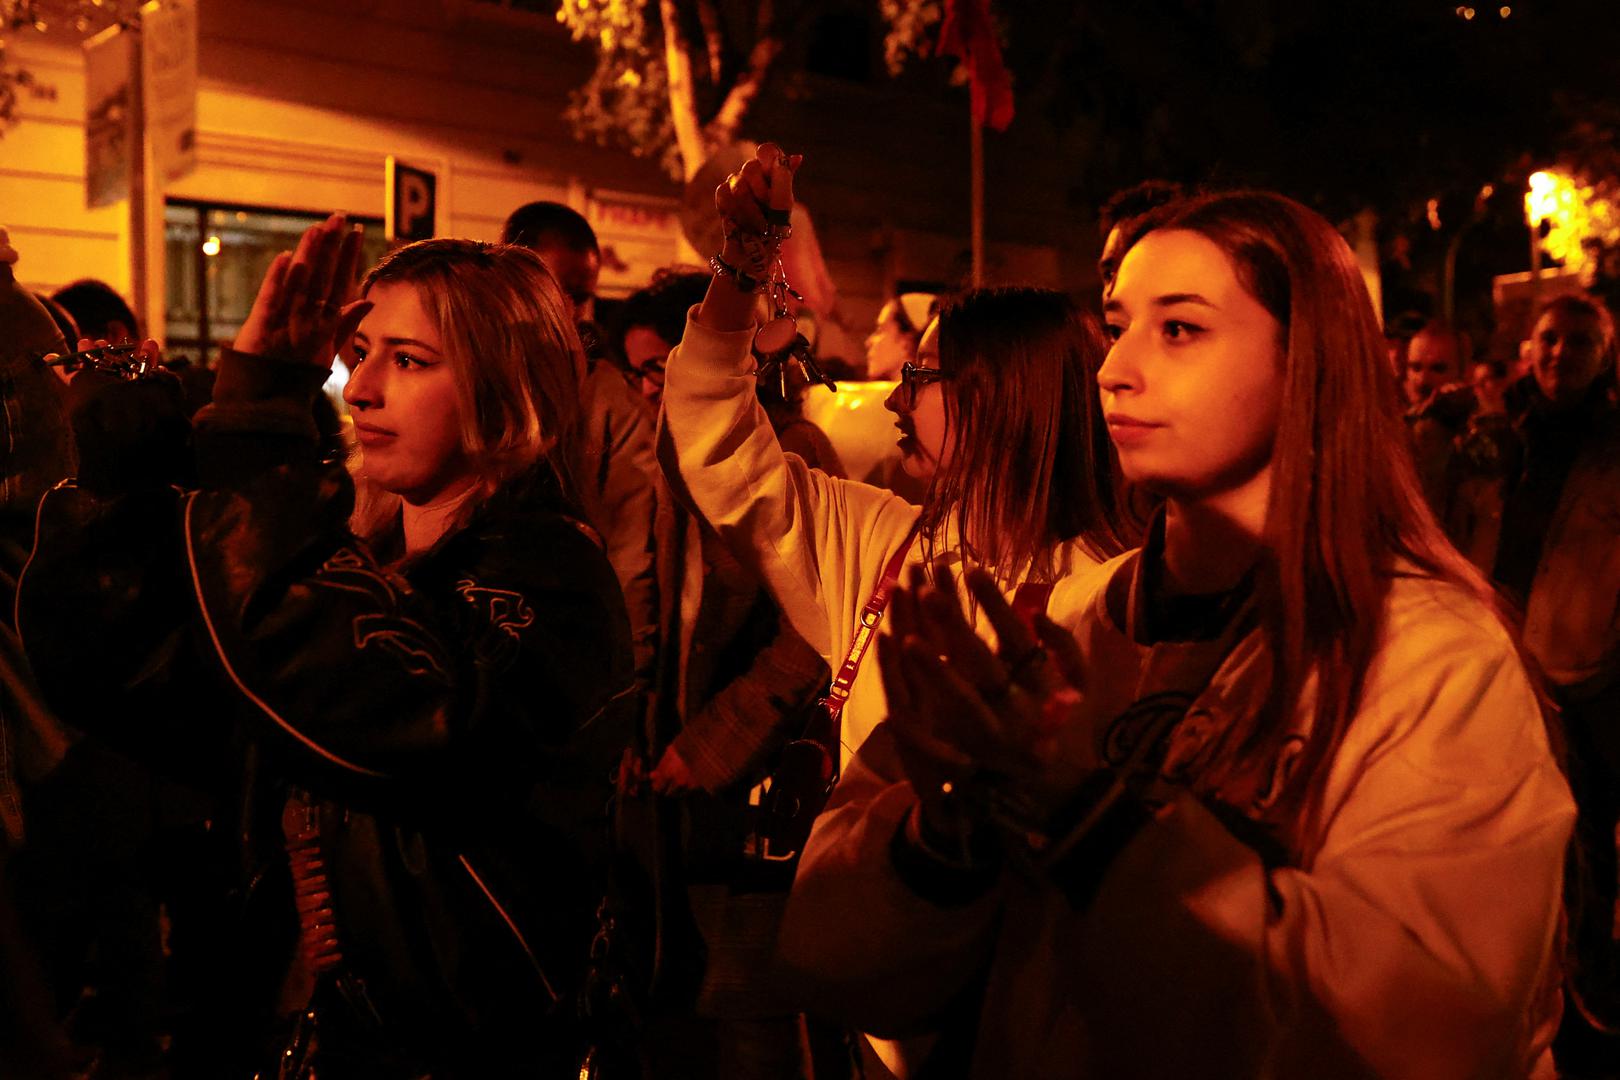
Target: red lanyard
<point>871,618</point>
<point>1028,601</point>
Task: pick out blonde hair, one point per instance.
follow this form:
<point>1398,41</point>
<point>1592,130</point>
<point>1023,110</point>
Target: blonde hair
<point>516,356</point>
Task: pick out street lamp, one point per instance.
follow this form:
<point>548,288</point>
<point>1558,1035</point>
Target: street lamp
<point>1539,204</point>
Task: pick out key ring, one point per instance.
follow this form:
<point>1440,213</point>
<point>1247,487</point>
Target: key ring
<point>779,341</point>
<point>120,361</point>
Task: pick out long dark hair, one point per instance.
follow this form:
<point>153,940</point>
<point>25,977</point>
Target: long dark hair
<point>1347,514</point>
<point>1031,466</point>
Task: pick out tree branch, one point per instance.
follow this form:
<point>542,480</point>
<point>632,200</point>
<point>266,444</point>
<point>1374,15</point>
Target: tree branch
<point>722,128</point>
<point>682,93</point>
<point>764,16</point>
<point>714,38</point>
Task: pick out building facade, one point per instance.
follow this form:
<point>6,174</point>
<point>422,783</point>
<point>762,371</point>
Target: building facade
<point>300,104</point>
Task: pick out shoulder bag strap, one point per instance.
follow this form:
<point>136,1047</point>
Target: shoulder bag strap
<point>1030,600</point>
<point>871,619</point>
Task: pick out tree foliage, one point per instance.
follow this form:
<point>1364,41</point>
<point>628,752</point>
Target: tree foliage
<point>86,17</point>
<point>675,79</point>
<point>625,102</point>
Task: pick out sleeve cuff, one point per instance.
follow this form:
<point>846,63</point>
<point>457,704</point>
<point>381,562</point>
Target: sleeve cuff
<point>727,352</point>
<point>244,378</point>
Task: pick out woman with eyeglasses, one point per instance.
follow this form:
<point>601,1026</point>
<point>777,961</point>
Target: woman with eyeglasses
<point>1281,802</point>
<point>653,319</point>
<point>999,414</point>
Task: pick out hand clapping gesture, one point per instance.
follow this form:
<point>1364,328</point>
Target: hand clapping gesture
<point>306,307</point>
<point>979,725</point>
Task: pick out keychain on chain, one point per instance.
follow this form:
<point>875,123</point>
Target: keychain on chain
<point>121,361</point>
<point>778,342</point>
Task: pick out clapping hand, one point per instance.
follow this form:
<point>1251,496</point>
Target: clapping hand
<point>306,308</point>
<point>977,723</point>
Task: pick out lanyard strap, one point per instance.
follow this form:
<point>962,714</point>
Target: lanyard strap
<point>1029,601</point>
<point>871,618</point>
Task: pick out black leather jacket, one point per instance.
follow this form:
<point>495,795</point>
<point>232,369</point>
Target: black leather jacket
<point>456,725</point>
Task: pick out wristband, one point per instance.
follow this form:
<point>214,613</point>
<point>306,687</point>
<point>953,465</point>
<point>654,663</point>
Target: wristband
<point>745,282</point>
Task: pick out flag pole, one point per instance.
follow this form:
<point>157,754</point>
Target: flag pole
<point>978,196</point>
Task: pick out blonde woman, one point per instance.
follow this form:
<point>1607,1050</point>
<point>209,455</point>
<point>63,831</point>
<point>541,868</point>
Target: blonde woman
<point>429,712</point>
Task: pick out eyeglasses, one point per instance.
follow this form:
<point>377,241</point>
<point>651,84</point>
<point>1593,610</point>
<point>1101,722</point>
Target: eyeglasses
<point>913,377</point>
<point>652,371</point>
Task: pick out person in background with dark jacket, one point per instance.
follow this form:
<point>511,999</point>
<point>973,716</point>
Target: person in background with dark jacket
<point>420,674</point>
<point>82,818</point>
<point>34,429</point>
<point>734,686</point>
<point>100,313</point>
<point>617,429</point>
<point>1534,500</point>
<point>59,315</point>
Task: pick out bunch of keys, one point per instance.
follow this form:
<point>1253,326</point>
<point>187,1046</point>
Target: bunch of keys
<point>779,341</point>
<point>120,361</point>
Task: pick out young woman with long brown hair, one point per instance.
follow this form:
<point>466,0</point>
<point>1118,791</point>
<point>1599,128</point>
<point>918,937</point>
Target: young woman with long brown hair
<point>1284,804</point>
<point>998,415</point>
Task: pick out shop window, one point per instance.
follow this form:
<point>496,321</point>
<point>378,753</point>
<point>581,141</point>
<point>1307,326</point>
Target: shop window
<point>215,256</point>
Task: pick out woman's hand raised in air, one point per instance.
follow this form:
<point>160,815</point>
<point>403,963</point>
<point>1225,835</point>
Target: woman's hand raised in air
<point>306,308</point>
<point>971,722</point>
<point>754,204</point>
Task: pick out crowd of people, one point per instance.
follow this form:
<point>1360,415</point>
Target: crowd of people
<point>1192,694</point>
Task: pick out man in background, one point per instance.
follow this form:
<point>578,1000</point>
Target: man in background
<point>617,475</point>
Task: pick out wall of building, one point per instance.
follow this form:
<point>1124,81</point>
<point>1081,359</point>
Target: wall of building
<point>300,103</point>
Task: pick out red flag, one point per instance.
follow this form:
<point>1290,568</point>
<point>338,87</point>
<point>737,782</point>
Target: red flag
<point>967,33</point>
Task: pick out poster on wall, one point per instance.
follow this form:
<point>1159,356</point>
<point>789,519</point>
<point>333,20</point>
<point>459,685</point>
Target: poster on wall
<point>638,233</point>
<point>169,71</point>
<point>109,116</point>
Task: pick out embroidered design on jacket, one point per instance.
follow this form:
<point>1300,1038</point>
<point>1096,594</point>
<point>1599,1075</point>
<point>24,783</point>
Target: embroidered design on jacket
<point>1193,745</point>
<point>505,612</point>
<point>1140,718</point>
<point>388,628</point>
<point>1188,749</point>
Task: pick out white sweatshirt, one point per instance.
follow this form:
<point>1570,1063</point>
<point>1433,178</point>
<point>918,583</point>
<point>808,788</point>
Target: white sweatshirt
<point>819,543</point>
<point>1413,938</point>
